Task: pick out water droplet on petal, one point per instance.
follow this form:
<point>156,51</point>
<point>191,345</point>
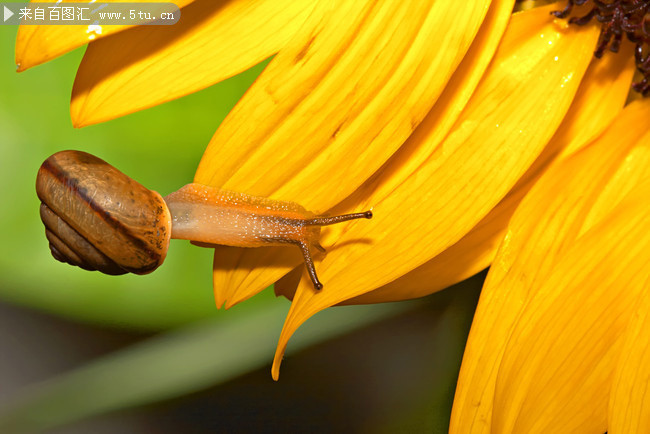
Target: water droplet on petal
<point>93,30</point>
<point>561,24</point>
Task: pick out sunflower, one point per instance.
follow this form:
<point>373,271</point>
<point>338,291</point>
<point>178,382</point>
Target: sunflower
<point>449,120</point>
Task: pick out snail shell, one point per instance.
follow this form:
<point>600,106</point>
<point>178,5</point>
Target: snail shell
<point>98,218</point>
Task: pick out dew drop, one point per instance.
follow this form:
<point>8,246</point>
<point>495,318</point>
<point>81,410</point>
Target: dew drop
<point>562,24</point>
<point>93,30</point>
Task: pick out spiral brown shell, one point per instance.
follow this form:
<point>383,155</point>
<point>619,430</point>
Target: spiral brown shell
<point>98,218</point>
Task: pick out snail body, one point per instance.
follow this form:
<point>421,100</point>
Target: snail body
<point>98,218</point>
<point>209,215</point>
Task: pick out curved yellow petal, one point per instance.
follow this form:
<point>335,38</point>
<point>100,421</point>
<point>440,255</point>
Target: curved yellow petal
<point>240,273</point>
<point>629,406</point>
<point>346,92</point>
<point>288,284</point>
<point>600,97</point>
<point>150,65</point>
<point>559,361</point>
<point>497,137</point>
<point>238,285</point>
<point>38,44</point>
<point>256,272</point>
<point>547,221</point>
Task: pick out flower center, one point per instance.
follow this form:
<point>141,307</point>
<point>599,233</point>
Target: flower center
<point>618,18</point>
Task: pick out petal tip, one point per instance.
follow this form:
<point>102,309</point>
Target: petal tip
<point>80,121</point>
<point>77,125</point>
<point>275,369</point>
<point>77,120</point>
<point>279,354</point>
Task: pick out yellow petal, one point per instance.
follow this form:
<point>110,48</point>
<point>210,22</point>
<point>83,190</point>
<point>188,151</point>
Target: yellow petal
<point>559,361</point>
<point>600,97</point>
<point>451,102</point>
<point>347,91</point>
<point>239,285</point>
<point>547,221</point>
<point>38,44</point>
<point>149,65</point>
<point>240,273</point>
<point>629,406</point>
<point>287,285</point>
<point>497,137</point>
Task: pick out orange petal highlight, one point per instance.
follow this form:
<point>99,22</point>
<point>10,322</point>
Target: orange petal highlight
<point>38,44</point>
<point>495,140</point>
<point>149,65</point>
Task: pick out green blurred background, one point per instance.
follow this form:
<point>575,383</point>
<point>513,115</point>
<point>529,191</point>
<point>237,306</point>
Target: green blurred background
<point>159,147</point>
<point>392,367</point>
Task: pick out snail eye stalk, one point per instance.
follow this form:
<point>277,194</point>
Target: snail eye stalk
<point>325,221</point>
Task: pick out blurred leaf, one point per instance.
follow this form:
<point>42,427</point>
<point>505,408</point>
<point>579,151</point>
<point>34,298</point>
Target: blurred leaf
<point>178,363</point>
<point>428,406</point>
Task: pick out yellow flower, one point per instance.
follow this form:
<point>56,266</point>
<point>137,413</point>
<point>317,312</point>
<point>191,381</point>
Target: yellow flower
<point>440,116</point>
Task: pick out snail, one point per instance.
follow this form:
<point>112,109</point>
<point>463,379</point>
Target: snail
<point>98,218</point>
